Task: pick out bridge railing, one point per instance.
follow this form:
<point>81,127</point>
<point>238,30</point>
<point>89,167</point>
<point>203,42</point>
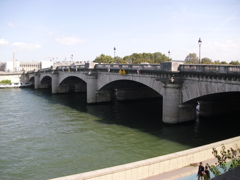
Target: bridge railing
<point>45,69</point>
<point>73,67</point>
<point>129,66</point>
<point>215,69</point>
<point>165,66</point>
<point>193,68</point>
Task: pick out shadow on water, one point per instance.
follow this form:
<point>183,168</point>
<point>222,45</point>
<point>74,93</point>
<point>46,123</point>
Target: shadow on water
<point>146,116</point>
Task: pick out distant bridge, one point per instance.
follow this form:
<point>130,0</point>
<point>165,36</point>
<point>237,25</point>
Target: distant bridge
<point>181,86</point>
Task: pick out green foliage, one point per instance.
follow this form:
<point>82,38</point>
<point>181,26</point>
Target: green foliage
<point>119,60</point>
<point>224,62</point>
<point>217,62</point>
<point>206,61</point>
<point>156,58</point>
<point>222,158</point>
<point>135,58</point>
<point>104,59</point>
<point>205,177</point>
<point>220,63</point>
<point>152,58</point>
<point>234,63</point>
<point>191,59</point>
<point>5,81</point>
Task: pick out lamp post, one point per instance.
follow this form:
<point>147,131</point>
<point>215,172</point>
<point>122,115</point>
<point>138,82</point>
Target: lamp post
<point>168,55</point>
<point>199,43</point>
<point>114,52</point>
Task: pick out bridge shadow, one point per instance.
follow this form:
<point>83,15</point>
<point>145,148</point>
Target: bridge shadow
<point>146,116</point>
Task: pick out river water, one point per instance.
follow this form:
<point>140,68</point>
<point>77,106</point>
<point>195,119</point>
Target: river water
<point>46,136</point>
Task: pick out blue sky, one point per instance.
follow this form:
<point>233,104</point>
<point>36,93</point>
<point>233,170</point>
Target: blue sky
<point>39,30</point>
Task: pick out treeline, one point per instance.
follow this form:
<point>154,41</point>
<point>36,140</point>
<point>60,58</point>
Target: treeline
<point>135,58</point>
<point>193,59</point>
<point>156,58</point>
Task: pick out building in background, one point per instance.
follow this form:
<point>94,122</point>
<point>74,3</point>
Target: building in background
<point>11,66</point>
<point>16,66</point>
<point>29,66</point>
<point>46,64</point>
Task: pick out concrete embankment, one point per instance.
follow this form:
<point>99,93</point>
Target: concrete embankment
<point>154,166</point>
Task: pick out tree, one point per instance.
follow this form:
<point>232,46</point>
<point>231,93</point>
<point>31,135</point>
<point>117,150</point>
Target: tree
<point>234,63</point>
<point>152,58</point>
<point>224,62</point>
<point>104,59</point>
<point>159,57</point>
<point>216,62</point>
<point>192,59</point>
<point>206,61</point>
<point>230,154</point>
<point>119,60</point>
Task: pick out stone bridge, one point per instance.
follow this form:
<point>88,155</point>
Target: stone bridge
<point>182,87</point>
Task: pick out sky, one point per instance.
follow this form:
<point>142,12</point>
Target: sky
<point>81,30</point>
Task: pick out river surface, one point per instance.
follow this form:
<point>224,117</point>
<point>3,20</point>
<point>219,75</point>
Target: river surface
<point>45,136</point>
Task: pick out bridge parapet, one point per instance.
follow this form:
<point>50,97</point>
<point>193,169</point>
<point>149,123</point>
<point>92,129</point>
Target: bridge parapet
<point>128,66</point>
<point>165,66</point>
<point>213,69</point>
<point>76,67</point>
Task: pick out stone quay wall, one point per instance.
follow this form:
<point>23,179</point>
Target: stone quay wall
<point>154,166</point>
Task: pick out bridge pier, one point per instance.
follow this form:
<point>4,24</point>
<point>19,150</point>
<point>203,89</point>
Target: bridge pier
<point>173,109</point>
<point>36,81</point>
<point>54,83</point>
<point>91,89</point>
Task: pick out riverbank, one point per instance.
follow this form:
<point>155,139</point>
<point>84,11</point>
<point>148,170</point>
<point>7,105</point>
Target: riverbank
<point>155,166</point>
<point>15,85</point>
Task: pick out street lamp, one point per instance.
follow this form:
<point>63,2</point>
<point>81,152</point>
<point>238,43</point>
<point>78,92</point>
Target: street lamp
<point>168,55</point>
<point>199,43</point>
<point>114,52</point>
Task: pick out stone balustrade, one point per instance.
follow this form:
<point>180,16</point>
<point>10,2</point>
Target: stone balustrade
<point>215,69</point>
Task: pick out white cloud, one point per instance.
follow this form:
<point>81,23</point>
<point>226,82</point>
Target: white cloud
<point>3,42</point>
<point>69,40</point>
<point>25,46</point>
<point>11,24</point>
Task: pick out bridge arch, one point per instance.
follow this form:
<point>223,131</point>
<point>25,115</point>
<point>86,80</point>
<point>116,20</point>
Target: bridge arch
<point>64,75</point>
<point>46,81</point>
<point>129,89</point>
<point>72,84</point>
<point>148,81</point>
<point>195,88</point>
<point>215,97</point>
<point>31,80</point>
